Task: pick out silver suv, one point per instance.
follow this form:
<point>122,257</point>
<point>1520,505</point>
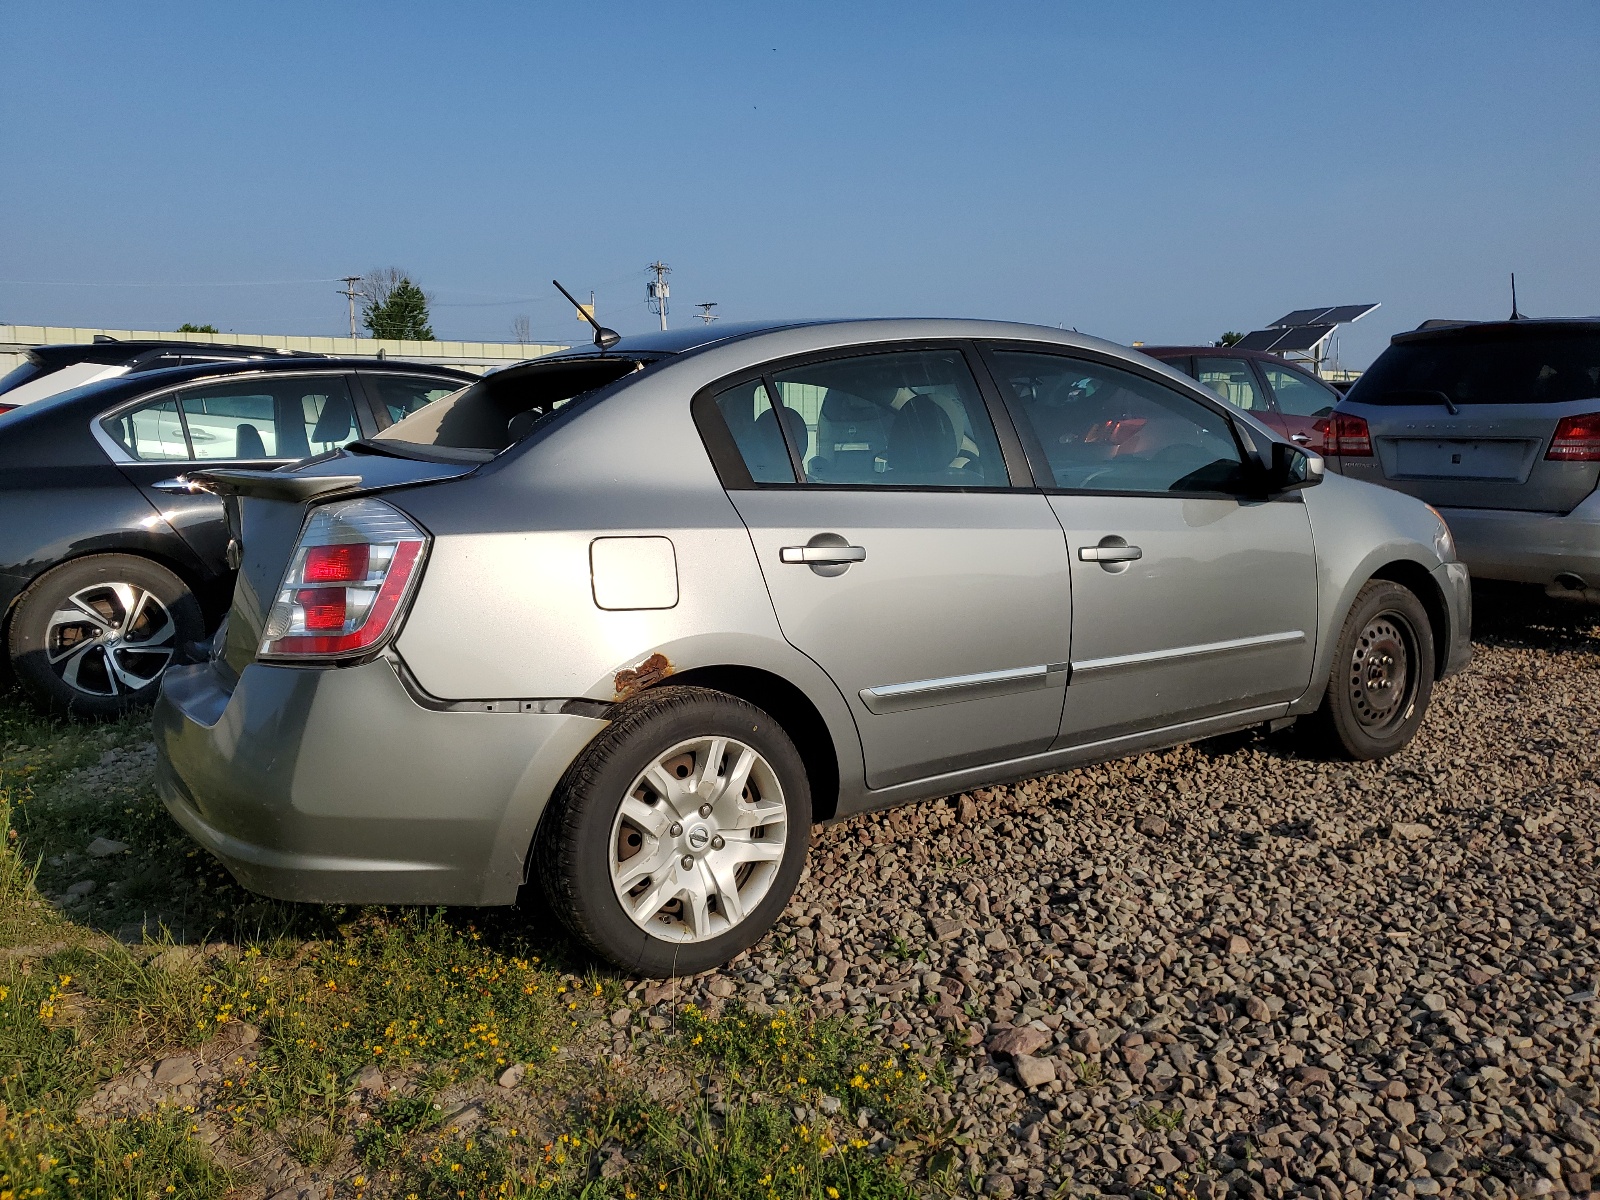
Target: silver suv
<point>1499,425</point>
<point>625,622</point>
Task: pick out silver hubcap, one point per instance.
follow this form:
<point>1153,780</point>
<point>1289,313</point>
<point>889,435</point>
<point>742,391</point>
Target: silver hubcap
<point>1380,677</point>
<point>110,639</point>
<point>698,839</point>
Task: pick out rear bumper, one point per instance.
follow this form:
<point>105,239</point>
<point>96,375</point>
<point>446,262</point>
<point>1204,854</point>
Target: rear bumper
<point>1529,547</point>
<point>334,785</point>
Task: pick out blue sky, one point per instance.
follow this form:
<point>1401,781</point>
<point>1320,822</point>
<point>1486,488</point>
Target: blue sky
<point>1149,171</point>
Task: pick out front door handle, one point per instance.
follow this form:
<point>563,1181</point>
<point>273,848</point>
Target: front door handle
<point>1113,553</point>
<point>824,555</point>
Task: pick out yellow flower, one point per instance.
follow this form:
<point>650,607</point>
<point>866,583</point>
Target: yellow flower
<point>833,1193</point>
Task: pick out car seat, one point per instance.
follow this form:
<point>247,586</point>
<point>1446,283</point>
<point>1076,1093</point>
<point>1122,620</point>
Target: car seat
<point>922,443</point>
<point>334,425</point>
<point>765,453</point>
<point>247,442</point>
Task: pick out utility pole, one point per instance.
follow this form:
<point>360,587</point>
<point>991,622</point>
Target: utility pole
<point>349,291</point>
<point>706,314</point>
<point>657,291</point>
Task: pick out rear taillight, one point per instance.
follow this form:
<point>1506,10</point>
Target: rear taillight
<point>5,408</point>
<point>1320,428</point>
<point>1577,439</point>
<point>1350,437</point>
<point>352,570</point>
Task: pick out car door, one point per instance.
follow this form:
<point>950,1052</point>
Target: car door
<point>1235,380</point>
<point>1190,598</point>
<point>261,420</point>
<point>900,559</point>
<point>1303,403</point>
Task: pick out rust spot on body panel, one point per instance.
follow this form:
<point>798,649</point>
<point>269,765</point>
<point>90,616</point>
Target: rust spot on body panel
<point>650,672</point>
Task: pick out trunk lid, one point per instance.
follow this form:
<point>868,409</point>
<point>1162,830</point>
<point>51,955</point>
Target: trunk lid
<point>266,511</point>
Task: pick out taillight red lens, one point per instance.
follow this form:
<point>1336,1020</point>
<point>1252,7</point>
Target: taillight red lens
<point>1577,439</point>
<point>1320,429</point>
<point>337,564</point>
<point>350,575</point>
<point>1350,436</point>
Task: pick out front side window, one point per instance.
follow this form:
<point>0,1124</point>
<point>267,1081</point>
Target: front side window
<point>1299,395</point>
<point>904,419</point>
<point>152,433</point>
<point>269,418</point>
<point>1233,380</point>
<point>1102,429</point>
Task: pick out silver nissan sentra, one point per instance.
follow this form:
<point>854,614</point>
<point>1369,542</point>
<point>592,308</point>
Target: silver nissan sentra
<point>625,622</point>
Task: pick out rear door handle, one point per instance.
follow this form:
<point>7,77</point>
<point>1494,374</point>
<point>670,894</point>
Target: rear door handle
<point>825,555</point>
<point>181,485</point>
<point>1300,438</point>
<point>1109,554</point>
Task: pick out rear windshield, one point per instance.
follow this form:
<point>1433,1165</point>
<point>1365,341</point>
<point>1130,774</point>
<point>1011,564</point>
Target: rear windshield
<point>1502,367</point>
<point>501,409</point>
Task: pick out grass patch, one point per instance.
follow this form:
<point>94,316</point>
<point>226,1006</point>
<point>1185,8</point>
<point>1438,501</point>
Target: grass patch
<point>769,1105</point>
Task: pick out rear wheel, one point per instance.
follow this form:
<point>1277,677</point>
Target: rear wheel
<point>1382,675</point>
<point>678,835</point>
<point>93,636</point>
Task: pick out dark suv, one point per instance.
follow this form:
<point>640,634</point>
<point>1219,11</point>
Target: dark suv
<point>50,369</point>
<point>1497,424</point>
<point>1293,402</point>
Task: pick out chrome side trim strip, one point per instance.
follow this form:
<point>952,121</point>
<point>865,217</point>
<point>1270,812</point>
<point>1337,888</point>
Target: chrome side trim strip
<point>926,693</point>
<point>1124,661</point>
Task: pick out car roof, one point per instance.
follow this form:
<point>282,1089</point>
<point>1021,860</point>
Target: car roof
<point>1500,331</point>
<point>104,393</point>
<point>1212,352</point>
<point>109,351</point>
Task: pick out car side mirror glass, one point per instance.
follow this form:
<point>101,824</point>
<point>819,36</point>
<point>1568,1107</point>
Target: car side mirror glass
<point>1294,468</point>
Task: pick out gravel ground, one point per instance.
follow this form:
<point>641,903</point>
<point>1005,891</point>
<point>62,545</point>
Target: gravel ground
<point>1229,969</point>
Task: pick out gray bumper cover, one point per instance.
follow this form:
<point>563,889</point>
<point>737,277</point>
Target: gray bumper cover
<point>334,785</point>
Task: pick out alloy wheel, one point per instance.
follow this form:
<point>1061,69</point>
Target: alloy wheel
<point>110,639</point>
<point>698,839</point>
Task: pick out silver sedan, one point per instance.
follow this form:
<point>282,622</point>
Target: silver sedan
<point>623,623</point>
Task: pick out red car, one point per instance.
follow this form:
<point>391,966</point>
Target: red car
<point>1290,400</point>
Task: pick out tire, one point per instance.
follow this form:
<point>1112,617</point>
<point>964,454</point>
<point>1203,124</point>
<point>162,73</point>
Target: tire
<point>1382,676</point>
<point>694,869</point>
<point>92,637</point>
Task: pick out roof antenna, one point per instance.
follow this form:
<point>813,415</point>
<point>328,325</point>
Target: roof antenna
<point>1515,315</point>
<point>603,337</point>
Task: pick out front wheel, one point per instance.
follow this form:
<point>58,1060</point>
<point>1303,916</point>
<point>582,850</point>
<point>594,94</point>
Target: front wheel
<point>1382,676</point>
<point>678,835</point>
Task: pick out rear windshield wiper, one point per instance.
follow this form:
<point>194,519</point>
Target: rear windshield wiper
<point>1425,396</point>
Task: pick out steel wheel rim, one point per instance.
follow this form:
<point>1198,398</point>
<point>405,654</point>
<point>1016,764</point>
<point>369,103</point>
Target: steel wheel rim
<point>111,639</point>
<point>1382,678</point>
<point>698,839</point>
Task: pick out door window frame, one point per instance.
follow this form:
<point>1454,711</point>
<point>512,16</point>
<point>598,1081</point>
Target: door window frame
<point>1251,364</point>
<point>1249,453</point>
<point>1272,395</point>
<point>732,470</point>
<point>175,392</point>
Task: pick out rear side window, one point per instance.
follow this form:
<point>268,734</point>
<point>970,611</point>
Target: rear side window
<point>153,433</point>
<point>269,418</point>
<point>1101,429</point>
<point>400,397</point>
<point>1494,367</point>
<point>747,410</point>
<point>1297,394</point>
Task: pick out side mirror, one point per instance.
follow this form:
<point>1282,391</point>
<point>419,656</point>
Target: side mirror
<point>1293,468</point>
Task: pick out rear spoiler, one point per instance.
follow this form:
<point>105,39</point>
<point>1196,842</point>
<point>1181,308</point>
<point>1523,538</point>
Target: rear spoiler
<point>268,485</point>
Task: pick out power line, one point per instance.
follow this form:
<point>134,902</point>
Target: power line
<point>221,283</point>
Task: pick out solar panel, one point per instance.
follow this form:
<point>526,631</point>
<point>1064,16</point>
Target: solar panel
<point>1344,313</point>
<point>1300,316</point>
<point>1260,339</point>
<point>1301,337</point>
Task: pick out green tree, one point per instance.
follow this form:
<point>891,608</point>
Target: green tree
<point>190,327</point>
<point>396,308</point>
<point>1230,338</point>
